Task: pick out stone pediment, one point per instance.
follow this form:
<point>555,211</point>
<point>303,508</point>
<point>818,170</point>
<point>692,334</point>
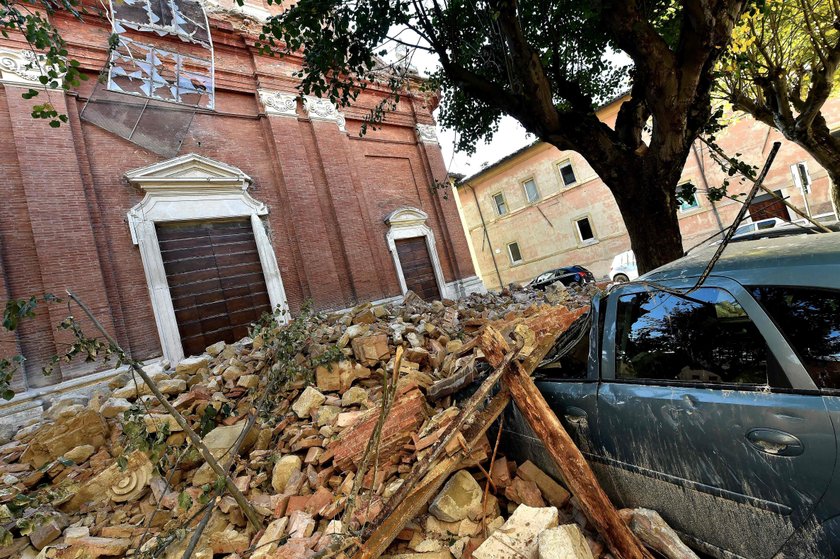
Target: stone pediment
<point>186,171</point>
<point>406,217</point>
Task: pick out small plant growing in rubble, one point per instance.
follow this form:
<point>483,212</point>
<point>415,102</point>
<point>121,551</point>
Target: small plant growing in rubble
<point>137,437</point>
<point>284,347</point>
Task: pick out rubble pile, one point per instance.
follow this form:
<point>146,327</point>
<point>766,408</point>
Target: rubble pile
<point>291,412</point>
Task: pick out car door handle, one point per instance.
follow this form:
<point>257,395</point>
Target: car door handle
<point>775,442</point>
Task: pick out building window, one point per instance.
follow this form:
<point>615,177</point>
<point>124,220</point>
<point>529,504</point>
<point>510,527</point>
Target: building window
<point>801,177</point>
<point>500,204</point>
<point>513,252</point>
<point>531,192</point>
<point>567,173</point>
<point>686,196</point>
<point>584,230</point>
<point>180,73</point>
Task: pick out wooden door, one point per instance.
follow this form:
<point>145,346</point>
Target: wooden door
<point>417,267</point>
<point>215,279</point>
<point>768,207</point>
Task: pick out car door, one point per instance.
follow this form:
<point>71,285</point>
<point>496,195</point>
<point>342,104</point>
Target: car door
<point>568,379</point>
<point>706,415</point>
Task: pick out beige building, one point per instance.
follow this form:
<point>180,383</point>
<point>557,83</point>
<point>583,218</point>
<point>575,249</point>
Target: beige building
<point>541,208</point>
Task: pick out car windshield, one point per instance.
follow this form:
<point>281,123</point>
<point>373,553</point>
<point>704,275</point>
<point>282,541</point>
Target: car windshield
<point>543,276</point>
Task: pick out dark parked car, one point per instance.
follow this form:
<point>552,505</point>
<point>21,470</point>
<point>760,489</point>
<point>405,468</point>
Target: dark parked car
<point>567,276</point>
<point>719,407</point>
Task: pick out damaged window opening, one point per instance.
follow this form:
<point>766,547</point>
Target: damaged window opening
<point>184,18</point>
<point>146,69</point>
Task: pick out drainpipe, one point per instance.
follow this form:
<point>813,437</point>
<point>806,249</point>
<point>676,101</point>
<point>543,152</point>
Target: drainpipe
<point>487,236</point>
<point>706,184</point>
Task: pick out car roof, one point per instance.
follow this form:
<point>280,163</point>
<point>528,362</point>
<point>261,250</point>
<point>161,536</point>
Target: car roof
<point>563,269</point>
<point>812,260</point>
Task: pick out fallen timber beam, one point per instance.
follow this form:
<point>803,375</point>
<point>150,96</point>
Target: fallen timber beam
<point>655,532</point>
<point>577,474</point>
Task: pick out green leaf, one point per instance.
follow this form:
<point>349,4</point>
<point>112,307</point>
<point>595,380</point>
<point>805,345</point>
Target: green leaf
<point>184,500</point>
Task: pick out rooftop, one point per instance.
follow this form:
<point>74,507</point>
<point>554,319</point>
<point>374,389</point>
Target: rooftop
<point>793,260</point>
<point>525,148</point>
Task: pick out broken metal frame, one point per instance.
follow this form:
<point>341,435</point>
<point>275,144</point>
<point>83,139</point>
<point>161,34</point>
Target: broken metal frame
<point>119,25</point>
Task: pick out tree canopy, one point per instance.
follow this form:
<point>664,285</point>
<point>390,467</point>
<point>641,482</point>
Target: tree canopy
<point>781,68</point>
<point>546,63</point>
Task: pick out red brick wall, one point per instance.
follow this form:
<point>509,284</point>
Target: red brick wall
<point>65,198</point>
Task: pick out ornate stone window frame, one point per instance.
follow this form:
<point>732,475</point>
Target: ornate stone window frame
<point>193,188</point>
<point>407,223</point>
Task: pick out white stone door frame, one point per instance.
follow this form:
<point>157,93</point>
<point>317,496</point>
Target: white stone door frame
<point>408,223</point>
<point>193,188</point>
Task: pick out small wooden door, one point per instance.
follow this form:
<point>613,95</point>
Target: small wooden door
<point>417,267</point>
<point>766,206</point>
<point>215,279</point>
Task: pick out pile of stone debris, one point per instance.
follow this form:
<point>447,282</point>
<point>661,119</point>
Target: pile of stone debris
<point>293,414</point>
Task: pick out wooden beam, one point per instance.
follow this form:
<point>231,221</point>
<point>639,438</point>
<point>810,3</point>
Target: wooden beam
<point>621,541</point>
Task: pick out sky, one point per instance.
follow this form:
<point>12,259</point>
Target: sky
<point>510,137</point>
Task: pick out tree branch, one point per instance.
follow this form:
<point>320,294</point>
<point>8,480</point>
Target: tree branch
<point>822,82</point>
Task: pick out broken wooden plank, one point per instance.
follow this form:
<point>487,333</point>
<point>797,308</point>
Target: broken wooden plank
<point>652,529</point>
<point>572,465</point>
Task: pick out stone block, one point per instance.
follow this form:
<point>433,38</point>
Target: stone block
<point>307,402</point>
<point>172,386</point>
<point>517,538</point>
<point>215,349</point>
<point>553,492</point>
<point>46,533</point>
<point>370,350</point>
<point>53,440</point>
<point>353,396</point>
<point>563,542</point>
<point>80,453</point>
<point>221,439</point>
<point>190,365</point>
<point>156,421</point>
<point>283,471</point>
<point>459,497</point>
<point>114,407</point>
<point>270,539</point>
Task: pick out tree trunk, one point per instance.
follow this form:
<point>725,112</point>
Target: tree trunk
<point>823,147</point>
<point>650,214</point>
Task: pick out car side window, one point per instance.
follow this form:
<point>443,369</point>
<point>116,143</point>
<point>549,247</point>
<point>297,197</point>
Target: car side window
<point>704,336</point>
<point>810,320</point>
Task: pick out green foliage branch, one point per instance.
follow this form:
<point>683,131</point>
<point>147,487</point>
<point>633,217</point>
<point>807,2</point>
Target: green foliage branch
<point>30,18</point>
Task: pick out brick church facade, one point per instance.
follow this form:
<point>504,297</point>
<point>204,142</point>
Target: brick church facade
<point>191,190</point>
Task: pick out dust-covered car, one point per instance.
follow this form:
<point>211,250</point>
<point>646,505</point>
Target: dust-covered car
<point>717,406</point>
